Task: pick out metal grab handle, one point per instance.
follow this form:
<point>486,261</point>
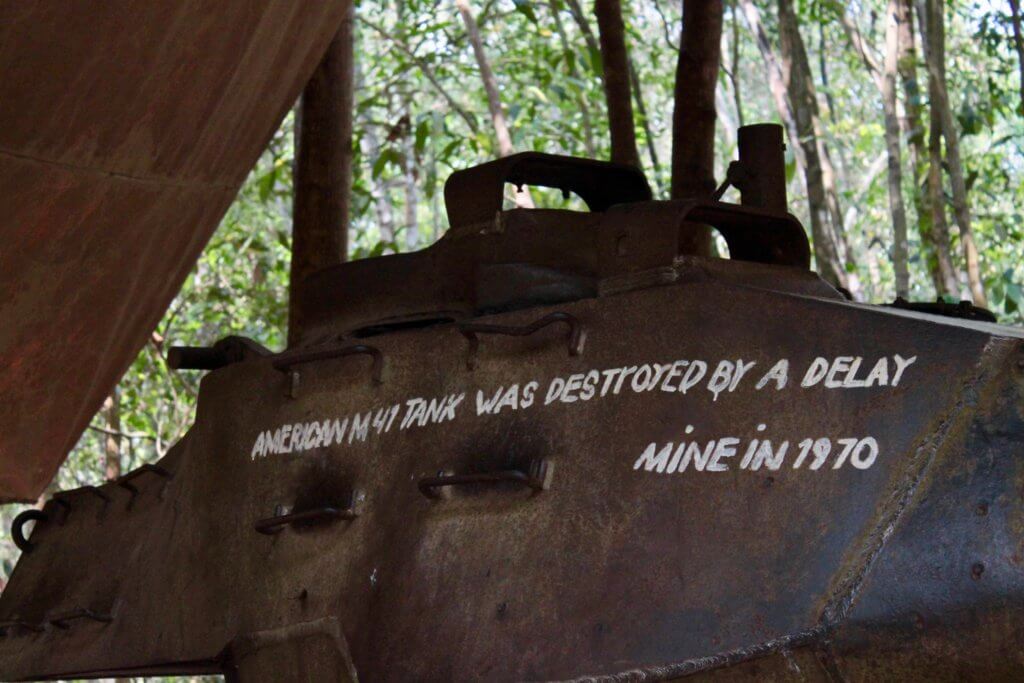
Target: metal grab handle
<point>196,358</point>
<point>18,533</point>
<point>148,467</point>
<point>475,194</point>
<point>125,482</point>
<point>577,335</point>
<point>272,525</point>
<point>288,360</point>
<point>537,476</point>
<point>229,350</point>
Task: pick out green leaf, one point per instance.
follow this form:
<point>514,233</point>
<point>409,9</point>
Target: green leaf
<point>422,133</point>
<point>525,7</point>
<point>388,156</point>
<point>596,65</point>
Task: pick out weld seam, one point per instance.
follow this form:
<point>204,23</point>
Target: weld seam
<point>837,609</point>
<point>699,664</point>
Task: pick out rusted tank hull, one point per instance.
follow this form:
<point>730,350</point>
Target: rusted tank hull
<point>576,539</point>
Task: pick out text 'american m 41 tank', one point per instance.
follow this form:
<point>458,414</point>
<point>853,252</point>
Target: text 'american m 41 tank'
<point>551,447</point>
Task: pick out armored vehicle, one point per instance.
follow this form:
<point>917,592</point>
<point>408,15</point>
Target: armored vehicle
<point>553,447</point>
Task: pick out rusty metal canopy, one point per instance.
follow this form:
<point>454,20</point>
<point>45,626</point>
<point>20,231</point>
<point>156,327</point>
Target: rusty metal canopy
<point>126,129</point>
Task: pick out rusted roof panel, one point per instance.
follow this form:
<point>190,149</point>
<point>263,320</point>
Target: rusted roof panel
<point>126,129</point>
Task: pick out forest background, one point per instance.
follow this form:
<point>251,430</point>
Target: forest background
<point>904,123</point>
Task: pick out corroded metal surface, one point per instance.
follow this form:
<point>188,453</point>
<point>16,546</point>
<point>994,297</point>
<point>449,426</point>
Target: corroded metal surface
<point>126,130</point>
<point>661,467</point>
<point>611,569</point>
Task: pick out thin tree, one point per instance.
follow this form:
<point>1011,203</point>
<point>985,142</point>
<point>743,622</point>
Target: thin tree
<point>323,167</point>
<point>796,73</point>
<point>426,69</point>
<point>1018,44</point>
<point>887,86</point>
<point>581,101</point>
<point>734,62</point>
<point>884,75</point>
<point>935,246</point>
<point>693,116</point>
<point>801,132</point>
<point>576,10</point>
<point>494,106</point>
<point>776,86</point>
<point>615,69</point>
<point>645,121</point>
<point>111,412</point>
<point>935,60</point>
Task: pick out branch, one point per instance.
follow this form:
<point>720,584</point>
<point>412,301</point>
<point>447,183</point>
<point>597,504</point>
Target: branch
<point>665,25</point>
<point>581,20</point>
<point>427,71</point>
<point>124,435</point>
<point>857,42</point>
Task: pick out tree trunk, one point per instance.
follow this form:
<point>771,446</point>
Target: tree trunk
<point>645,122</point>
<point>935,59</point>
<point>581,20</point>
<point>884,75</point>
<point>412,232</point>
<point>501,131</point>
<point>828,248</point>
<point>937,202</point>
<point>900,266</point>
<point>379,187</point>
<point>734,66</point>
<point>800,85</point>
<point>323,168</point>
<point>950,284</point>
<point>775,83</point>
<point>112,442</point>
<point>823,68</point>
<point>588,134</point>
<point>490,82</point>
<point>939,267</point>
<point>615,65</point>
<point>693,116</point>
<point>111,411</point>
<point>1018,43</point>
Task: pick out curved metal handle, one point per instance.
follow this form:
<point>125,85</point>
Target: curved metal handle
<point>537,476</point>
<point>288,360</point>
<point>229,350</point>
<point>18,533</point>
<point>272,525</point>
<point>475,194</point>
<point>196,358</point>
<point>576,339</point>
<point>753,234</point>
